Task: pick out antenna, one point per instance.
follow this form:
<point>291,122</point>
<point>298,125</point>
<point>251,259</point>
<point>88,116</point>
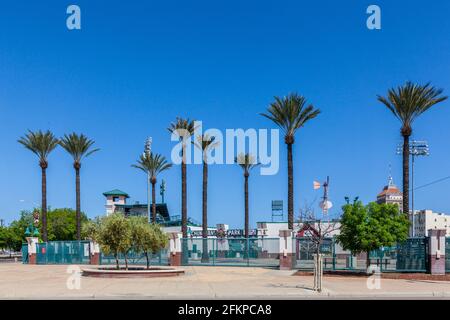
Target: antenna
<point>325,204</point>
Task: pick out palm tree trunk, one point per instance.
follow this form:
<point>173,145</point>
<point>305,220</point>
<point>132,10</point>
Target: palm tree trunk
<point>78,206</point>
<point>153,202</point>
<point>148,260</point>
<point>406,174</point>
<point>183,194</point>
<point>184,247</point>
<point>290,188</point>
<point>205,253</point>
<point>44,204</point>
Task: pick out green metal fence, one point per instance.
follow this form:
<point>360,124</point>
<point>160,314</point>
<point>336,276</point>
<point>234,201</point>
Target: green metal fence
<point>24,253</point>
<point>62,252</point>
<point>77,252</point>
<point>160,258</point>
<point>262,252</point>
<point>410,256</point>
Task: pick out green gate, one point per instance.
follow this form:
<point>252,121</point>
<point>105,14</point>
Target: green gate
<point>24,253</point>
<point>412,255</point>
<point>62,252</point>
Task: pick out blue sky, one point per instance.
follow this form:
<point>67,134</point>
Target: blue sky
<point>137,65</point>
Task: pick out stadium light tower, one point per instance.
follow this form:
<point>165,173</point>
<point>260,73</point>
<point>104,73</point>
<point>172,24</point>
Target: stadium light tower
<point>416,149</point>
<point>146,154</point>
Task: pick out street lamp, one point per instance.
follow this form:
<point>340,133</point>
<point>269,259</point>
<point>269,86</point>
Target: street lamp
<point>416,149</point>
<point>32,230</point>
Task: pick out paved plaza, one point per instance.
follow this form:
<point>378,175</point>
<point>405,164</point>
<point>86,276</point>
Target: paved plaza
<point>18,281</point>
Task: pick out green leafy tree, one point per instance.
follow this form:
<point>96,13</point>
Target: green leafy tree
<point>114,236</point>
<point>3,237</point>
<point>79,147</point>
<point>146,238</point>
<point>153,165</point>
<point>368,228</point>
<point>156,239</point>
<point>290,114</point>
<point>18,228</point>
<point>41,144</point>
<point>90,229</point>
<point>9,240</point>
<point>117,234</point>
<point>62,224</point>
<point>408,102</point>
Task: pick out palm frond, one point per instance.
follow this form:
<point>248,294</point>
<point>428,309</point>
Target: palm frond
<point>78,146</point>
<point>153,164</point>
<point>246,161</point>
<point>409,101</point>
<point>290,113</point>
<point>184,128</point>
<point>40,143</point>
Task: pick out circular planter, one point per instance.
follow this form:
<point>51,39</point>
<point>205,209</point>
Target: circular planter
<point>132,272</point>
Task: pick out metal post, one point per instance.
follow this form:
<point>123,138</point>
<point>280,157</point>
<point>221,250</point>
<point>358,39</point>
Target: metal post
<point>148,198</point>
<point>333,243</point>
<point>412,195</point>
<point>215,251</point>
<point>248,251</point>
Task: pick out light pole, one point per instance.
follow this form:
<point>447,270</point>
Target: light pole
<point>416,149</point>
<point>147,153</point>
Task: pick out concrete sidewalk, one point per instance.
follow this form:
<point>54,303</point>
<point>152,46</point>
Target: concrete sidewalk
<point>18,281</point>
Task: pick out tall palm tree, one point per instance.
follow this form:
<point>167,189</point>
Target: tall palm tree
<point>152,164</point>
<point>79,147</point>
<point>41,144</point>
<point>290,113</point>
<point>247,162</point>
<point>408,102</point>
<point>184,128</point>
<point>205,143</point>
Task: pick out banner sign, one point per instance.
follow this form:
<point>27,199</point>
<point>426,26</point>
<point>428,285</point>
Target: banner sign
<point>232,233</point>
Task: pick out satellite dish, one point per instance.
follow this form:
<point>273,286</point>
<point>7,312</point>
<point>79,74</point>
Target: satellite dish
<point>325,205</point>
